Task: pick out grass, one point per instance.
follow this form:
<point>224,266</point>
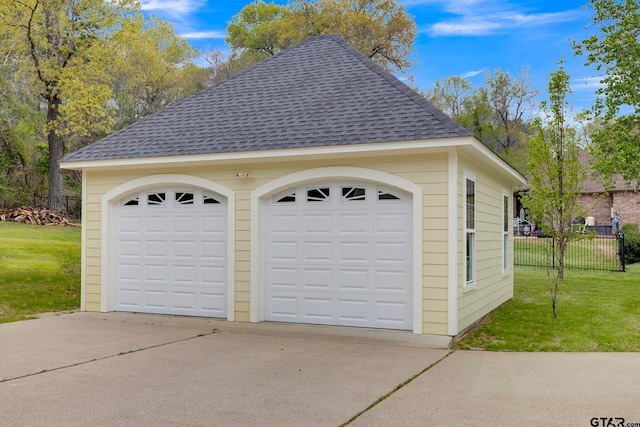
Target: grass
<point>39,270</point>
<point>597,311</point>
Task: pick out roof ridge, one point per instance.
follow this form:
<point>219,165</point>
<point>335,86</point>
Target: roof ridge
<point>401,87</point>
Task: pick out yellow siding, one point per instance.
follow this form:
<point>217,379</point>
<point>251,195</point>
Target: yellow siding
<point>493,287</point>
<point>428,171</point>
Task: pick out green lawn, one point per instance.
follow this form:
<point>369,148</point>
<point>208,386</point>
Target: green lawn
<point>597,311</point>
<point>39,270</point>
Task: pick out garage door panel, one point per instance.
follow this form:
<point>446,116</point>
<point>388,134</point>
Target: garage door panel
<point>390,281</point>
<point>184,249</point>
<point>130,248</point>
<point>129,272</point>
<point>283,223</point>
<point>283,307</point>
<point>155,273</point>
<point>315,224</point>
<point>213,304</point>
<point>155,224</point>
<point>184,274</point>
<point>129,297</point>
<point>184,300</point>
<point>351,310</point>
<point>391,223</point>
<point>354,224</point>
<point>184,224</point>
<point>213,250</point>
<point>317,278</point>
<point>171,257</point>
<point>347,258</point>
<point>129,224</point>
<point>353,251</point>
<point>214,224</point>
<point>155,248</point>
<point>155,298</point>
<point>317,308</point>
<point>213,276</point>
<point>393,252</point>
<point>391,312</point>
<point>283,277</point>
<point>317,251</point>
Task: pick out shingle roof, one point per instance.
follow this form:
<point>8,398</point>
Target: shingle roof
<point>321,92</point>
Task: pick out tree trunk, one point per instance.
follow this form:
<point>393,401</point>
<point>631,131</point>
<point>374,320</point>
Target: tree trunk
<point>56,152</point>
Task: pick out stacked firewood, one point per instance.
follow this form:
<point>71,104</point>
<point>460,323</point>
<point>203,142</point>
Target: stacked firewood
<point>35,216</point>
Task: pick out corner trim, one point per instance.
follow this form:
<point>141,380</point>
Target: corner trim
<point>453,243</point>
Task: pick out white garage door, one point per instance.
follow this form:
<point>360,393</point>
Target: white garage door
<point>339,254</point>
<point>171,252</point>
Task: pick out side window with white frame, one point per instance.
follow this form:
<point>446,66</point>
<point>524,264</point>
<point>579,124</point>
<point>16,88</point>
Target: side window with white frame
<point>505,232</point>
<point>470,231</point>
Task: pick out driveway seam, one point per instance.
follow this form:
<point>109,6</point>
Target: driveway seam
<point>395,389</point>
<point>122,353</point>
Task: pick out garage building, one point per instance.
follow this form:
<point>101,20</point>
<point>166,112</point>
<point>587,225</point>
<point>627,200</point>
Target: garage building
<point>313,187</point>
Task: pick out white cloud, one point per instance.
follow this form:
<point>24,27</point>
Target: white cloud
<point>587,83</point>
<point>204,35</point>
<point>172,7</point>
<point>471,73</point>
<point>484,17</point>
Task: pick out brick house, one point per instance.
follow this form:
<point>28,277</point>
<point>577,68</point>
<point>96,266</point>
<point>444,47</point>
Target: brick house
<point>600,204</point>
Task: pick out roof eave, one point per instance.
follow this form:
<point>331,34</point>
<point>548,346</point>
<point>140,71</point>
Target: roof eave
<point>304,153</point>
<point>299,154</point>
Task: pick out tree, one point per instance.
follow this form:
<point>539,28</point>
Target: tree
<point>556,175</point>
<point>257,28</point>
<point>497,113</point>
<point>615,49</point>
<point>450,95</point>
<point>222,67</point>
<point>151,68</point>
<point>380,29</point>
<point>92,67</point>
<point>510,99</point>
<point>60,46</point>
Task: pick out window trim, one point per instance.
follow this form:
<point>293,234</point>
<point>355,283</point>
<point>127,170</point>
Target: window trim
<point>470,283</point>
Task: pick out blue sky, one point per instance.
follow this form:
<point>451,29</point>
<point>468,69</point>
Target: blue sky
<point>455,37</point>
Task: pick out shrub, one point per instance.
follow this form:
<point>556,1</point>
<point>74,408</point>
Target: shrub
<point>631,243</point>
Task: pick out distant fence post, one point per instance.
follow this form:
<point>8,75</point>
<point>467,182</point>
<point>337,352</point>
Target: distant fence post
<point>621,248</point>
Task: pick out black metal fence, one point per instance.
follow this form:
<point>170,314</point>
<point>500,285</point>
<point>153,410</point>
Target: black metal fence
<point>589,252</point>
<point>72,204</point>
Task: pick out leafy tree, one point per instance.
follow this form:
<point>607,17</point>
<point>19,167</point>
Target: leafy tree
<point>258,28</point>
<point>20,122</point>
<point>88,67</point>
<point>151,68</point>
<point>61,49</point>
<point>496,113</point>
<point>450,95</point>
<point>510,99</point>
<point>615,50</point>
<point>381,29</point>
<point>556,175</point>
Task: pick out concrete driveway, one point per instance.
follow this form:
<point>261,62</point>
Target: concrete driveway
<point>82,369</point>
